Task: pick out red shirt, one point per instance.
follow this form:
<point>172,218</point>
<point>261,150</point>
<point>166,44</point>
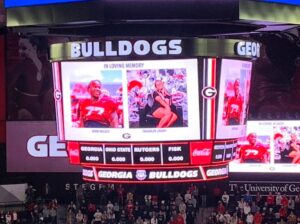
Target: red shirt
<point>284,201</point>
<point>173,221</point>
<point>283,212</point>
<point>221,208</point>
<point>270,200</point>
<point>98,111</point>
<point>235,107</point>
<point>180,219</point>
<point>257,218</point>
<point>253,152</point>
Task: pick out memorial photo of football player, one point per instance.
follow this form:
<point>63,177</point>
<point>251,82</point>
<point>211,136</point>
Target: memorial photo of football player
<point>254,151</point>
<point>95,105</point>
<point>98,111</point>
<point>234,106</point>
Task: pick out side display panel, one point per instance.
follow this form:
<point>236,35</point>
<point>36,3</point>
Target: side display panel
<point>233,98</point>
<point>271,146</point>
<point>133,97</point>
<point>2,89</point>
<point>37,148</point>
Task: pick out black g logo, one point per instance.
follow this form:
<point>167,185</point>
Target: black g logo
<point>126,136</point>
<point>209,92</point>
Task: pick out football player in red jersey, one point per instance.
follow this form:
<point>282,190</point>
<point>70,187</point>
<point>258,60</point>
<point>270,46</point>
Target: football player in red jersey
<point>234,108</point>
<point>100,110</point>
<point>254,152</point>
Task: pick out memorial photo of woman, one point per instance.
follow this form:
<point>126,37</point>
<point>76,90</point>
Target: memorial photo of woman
<point>162,106</point>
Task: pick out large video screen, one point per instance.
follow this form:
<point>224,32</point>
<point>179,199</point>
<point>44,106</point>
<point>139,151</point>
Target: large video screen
<point>233,98</point>
<point>153,100</point>
<point>270,146</point>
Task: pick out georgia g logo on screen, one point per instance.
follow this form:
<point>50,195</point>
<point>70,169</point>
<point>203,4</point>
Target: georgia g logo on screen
<point>209,92</point>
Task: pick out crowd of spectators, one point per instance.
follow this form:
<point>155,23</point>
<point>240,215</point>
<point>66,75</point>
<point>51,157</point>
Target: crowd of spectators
<point>274,208</point>
<point>37,209</point>
<point>112,204</point>
<point>118,204</point>
<point>115,204</point>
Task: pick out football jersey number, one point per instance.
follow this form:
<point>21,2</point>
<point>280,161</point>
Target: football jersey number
<point>94,110</point>
<point>251,152</point>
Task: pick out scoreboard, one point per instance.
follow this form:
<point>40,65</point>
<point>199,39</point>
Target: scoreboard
<point>201,82</point>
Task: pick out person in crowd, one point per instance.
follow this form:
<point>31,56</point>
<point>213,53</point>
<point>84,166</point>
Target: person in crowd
<point>30,193</point>
<point>283,213</point>
<point>248,197</point>
<point>270,200</point>
<point>284,201</point>
<point>109,206</point>
<point>46,214</point>
<point>254,207</point>
<point>8,217</point>
<point>247,209</point>
<point>187,196</point>
<point>98,111</point>
<point>241,203</point>
<point>240,221</point>
<point>72,206</point>
<point>292,218</point>
<point>221,208</point>
<point>220,217</point>
<point>227,217</point>
<point>123,217</point>
<point>154,219</point>
<point>178,199</point>
<point>162,106</point>
<point>53,215</point>
<point>259,199</point>
<point>291,204</point>
<point>249,218</point>
<point>278,200</point>
<point>203,191</point>
<point>111,217</point>
<point>180,219</point>
<point>297,204</point>
<point>217,193</point>
<point>70,219</point>
<point>97,216</point>
<point>257,219</point>
<point>15,217</point>
<point>225,199</point>
<point>254,151</point>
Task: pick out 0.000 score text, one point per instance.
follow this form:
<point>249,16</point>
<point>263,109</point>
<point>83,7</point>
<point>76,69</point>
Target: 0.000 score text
<point>92,158</point>
<point>175,158</point>
<point>147,159</point>
<point>118,159</point>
